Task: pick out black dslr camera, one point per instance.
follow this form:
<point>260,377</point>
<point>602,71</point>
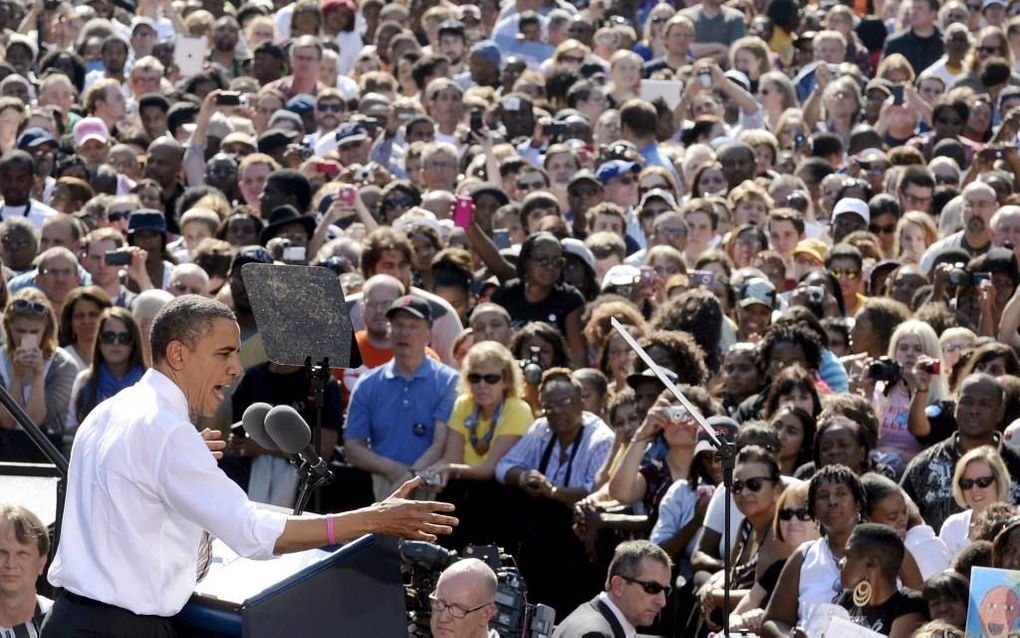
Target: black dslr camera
<point>531,367</point>
<point>885,369</point>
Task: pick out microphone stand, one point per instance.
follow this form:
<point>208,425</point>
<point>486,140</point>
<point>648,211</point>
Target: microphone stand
<point>726,451</point>
<point>318,377</point>
<point>49,450</point>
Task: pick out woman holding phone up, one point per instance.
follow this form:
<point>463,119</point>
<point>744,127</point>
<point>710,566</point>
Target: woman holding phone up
<point>35,371</point>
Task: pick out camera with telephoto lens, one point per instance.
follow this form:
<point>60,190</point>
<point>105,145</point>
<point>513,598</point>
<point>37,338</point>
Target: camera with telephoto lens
<point>531,367</point>
<point>885,369</point>
<point>424,562</point>
<point>816,294</point>
<point>958,274</point>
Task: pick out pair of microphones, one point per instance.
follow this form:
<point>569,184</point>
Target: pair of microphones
<point>282,428</point>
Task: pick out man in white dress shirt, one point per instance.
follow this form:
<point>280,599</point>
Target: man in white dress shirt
<point>143,486</point>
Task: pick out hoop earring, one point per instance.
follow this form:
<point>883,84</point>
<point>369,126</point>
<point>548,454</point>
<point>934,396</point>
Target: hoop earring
<point>862,594</point>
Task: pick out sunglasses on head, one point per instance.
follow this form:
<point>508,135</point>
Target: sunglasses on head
<point>650,586</point>
<point>109,337</point>
<point>34,307</point>
<point>754,484</point>
<point>491,379</point>
<point>788,514</point>
<point>981,481</point>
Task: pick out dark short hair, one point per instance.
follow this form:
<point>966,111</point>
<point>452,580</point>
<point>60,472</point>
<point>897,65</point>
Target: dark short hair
<point>839,474</point>
<point>187,319</point>
<point>948,584</point>
<point>628,556</point>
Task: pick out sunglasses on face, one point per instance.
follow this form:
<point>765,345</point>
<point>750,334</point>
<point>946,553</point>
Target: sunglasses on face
<point>550,262</point>
<point>754,484</point>
<point>491,379</point>
<point>887,229</point>
<point>109,337</point>
<point>575,59</point>
<point>398,202</point>
<point>788,514</point>
<point>116,216</point>
<point>335,107</point>
<point>33,307</point>
<point>650,586</point>
<point>851,273</point>
<point>981,481</point>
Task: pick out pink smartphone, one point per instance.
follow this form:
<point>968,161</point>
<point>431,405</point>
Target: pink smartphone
<point>347,195</point>
<point>463,212</point>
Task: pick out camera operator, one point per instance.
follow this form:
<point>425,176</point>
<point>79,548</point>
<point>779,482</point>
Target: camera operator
<point>901,386</point>
<point>464,601</point>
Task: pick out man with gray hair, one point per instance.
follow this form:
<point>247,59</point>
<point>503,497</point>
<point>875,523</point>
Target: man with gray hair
<point>144,309</point>
<point>636,591</point>
<point>122,504</point>
<point>1006,228</point>
<point>58,273</point>
<point>464,601</point>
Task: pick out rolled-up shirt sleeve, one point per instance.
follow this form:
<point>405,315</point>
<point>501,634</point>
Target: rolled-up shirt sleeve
<point>194,486</point>
<point>518,455</point>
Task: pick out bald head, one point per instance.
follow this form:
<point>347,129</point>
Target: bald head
<point>474,575</point>
<point>979,409</point>
<point>387,283</point>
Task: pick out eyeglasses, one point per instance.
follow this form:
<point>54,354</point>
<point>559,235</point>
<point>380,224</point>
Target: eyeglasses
<point>118,215</point>
<point>788,514</point>
<point>109,337</point>
<point>457,611</point>
<point>851,273</point>
<point>34,307</point>
<point>335,107</point>
<point>549,262</point>
<point>552,406</point>
<point>576,59</point>
<point>754,484</point>
<point>981,481</point>
<point>491,379</point>
<point>886,229</point>
<point>651,587</point>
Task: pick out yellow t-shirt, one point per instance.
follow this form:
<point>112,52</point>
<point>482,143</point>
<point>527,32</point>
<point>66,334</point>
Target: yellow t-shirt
<point>514,421</point>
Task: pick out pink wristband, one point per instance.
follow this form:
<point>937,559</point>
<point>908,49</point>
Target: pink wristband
<point>330,532</point>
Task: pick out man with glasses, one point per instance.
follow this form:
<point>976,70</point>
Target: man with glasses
<point>305,60</point>
<point>979,204</point>
<point>58,274</point>
<point>637,587</point>
<point>464,601</point>
<point>330,111</point>
<point>554,466</point>
<point>583,192</point>
<point>915,190</point>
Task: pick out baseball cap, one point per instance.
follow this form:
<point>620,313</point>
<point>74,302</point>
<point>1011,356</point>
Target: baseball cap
<point>271,49</point>
<point>146,219</point>
<point>619,275</point>
<point>757,291</point>
<point>724,427</point>
<point>488,50</point>
<point>816,248</point>
<point>615,168</point>
<point>90,128</point>
<point>274,138</point>
<point>250,255</point>
<point>35,137</point>
<point>301,104</point>
<point>240,137</point>
<point>851,205</point>
<point>576,247</point>
<point>350,132</point>
<point>988,3</point>
<point>489,188</point>
<point>738,77</point>
<point>658,193</point>
<point>584,176</point>
<point>412,304</point>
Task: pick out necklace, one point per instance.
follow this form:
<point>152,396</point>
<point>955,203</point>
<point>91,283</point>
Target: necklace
<point>481,446</point>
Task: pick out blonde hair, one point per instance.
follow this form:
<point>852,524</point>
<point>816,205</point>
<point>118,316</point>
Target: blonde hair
<point>48,340</point>
<point>895,62</point>
<point>796,491</point>
<point>496,353</point>
<point>989,455</point>
<point>750,191</point>
<point>915,218</point>
<point>937,387</point>
<point>757,47</point>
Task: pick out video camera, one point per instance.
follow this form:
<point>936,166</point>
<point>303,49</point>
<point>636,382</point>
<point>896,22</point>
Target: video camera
<point>531,367</point>
<point>424,562</point>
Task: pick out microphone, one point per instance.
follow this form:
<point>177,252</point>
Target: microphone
<point>254,423</point>
<point>288,430</point>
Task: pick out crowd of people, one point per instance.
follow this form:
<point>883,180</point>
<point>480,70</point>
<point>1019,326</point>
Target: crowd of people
<point>807,214</point>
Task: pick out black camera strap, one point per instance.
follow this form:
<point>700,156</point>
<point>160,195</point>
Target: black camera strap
<point>547,455</point>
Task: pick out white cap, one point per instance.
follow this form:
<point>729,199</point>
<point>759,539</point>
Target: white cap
<point>620,275</point>
<point>852,205</point>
